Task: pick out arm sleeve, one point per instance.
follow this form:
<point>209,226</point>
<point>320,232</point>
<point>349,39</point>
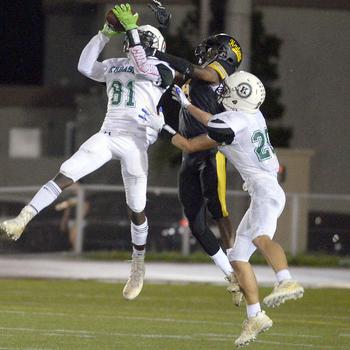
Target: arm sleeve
<point>88,64</point>
<point>167,75</point>
<point>219,131</point>
<point>179,64</point>
<point>143,66</point>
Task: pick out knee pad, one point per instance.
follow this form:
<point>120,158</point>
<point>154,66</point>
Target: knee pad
<point>242,250</point>
<point>135,192</point>
<point>136,203</point>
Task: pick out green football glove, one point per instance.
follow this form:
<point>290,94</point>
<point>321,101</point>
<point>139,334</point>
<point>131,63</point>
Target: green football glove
<point>107,30</point>
<point>125,16</point>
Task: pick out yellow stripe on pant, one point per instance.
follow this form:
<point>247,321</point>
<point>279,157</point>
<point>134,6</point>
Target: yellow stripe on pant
<point>221,173</point>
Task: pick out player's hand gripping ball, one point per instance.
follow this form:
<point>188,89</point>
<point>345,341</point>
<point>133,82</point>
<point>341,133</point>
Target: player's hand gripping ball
<point>113,21</point>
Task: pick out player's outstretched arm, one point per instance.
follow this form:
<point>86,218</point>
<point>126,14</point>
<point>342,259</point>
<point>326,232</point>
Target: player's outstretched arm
<point>88,64</point>
<point>186,68</point>
<point>157,123</point>
<point>137,53</point>
<point>179,96</point>
<point>196,144</point>
<point>163,16</point>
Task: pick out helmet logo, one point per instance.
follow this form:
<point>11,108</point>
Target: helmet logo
<point>236,49</point>
<point>244,90</point>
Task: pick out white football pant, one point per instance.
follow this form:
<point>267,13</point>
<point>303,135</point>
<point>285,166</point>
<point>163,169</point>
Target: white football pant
<point>100,148</point>
<point>266,205</point>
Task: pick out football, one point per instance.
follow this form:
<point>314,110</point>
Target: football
<point>112,20</point>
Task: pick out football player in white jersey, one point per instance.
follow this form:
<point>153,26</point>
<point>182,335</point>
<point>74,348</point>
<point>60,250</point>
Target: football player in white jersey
<point>241,135</point>
<point>132,83</point>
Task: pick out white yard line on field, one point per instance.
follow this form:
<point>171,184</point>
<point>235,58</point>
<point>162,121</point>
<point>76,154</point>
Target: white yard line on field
<point>277,343</point>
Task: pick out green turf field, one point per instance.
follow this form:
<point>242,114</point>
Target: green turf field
<point>44,314</point>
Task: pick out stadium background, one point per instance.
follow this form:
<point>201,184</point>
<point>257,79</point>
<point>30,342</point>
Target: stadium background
<point>47,109</point>
<point>56,300</point>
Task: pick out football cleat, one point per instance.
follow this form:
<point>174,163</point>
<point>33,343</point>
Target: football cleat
<point>134,284</point>
<point>13,228</point>
<point>252,327</point>
<point>283,291</point>
<point>234,289</point>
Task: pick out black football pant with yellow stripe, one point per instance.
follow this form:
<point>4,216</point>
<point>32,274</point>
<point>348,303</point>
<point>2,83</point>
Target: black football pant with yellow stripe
<point>199,190</point>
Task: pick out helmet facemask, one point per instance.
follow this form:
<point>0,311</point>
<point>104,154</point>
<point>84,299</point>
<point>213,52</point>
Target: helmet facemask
<point>222,91</point>
<point>148,40</point>
<point>219,47</point>
<point>206,54</point>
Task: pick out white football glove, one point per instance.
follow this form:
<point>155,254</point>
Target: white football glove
<point>179,96</point>
<point>156,122</point>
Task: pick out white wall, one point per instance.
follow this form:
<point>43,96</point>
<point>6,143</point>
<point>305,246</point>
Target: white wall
<point>315,79</point>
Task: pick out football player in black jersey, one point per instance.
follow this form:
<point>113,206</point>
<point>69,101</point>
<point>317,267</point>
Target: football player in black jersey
<point>202,176</point>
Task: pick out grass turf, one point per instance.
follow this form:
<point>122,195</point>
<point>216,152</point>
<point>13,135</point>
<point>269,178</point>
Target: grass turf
<point>52,314</point>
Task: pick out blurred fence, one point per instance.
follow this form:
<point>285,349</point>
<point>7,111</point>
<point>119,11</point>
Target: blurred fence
<point>94,217</point>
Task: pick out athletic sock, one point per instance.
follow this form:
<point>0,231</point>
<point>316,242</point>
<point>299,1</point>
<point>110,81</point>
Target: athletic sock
<point>139,233</point>
<point>138,253</point>
<point>221,261</point>
<point>253,309</point>
<point>283,275</point>
<point>45,196</point>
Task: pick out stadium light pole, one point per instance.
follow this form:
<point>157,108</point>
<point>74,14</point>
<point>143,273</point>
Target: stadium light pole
<point>204,19</point>
<point>238,24</point>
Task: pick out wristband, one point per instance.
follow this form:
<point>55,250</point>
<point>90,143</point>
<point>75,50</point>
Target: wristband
<point>134,37</point>
<point>169,129</point>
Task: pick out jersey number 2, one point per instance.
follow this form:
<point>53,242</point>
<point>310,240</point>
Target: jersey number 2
<point>264,148</point>
<point>118,90</point>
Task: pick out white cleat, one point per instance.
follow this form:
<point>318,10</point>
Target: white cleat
<point>134,284</point>
<point>13,228</point>
<point>252,327</point>
<point>234,289</point>
<point>283,291</point>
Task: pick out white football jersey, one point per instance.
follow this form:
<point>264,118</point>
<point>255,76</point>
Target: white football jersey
<point>127,91</point>
<point>250,151</point>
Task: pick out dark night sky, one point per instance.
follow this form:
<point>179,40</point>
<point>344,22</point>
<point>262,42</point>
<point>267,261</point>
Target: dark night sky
<point>21,49</point>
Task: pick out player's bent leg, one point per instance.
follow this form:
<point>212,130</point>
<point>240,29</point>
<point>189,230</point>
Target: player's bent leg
<point>14,228</point>
<point>63,181</point>
<point>272,252</point>
<point>133,286</point>
<point>247,281</point>
<point>226,231</point>
<point>90,156</point>
<point>139,234</point>
<point>257,321</point>
<point>234,289</point>
<point>286,288</point>
<point>213,185</point>
<point>283,291</point>
<point>239,256</point>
